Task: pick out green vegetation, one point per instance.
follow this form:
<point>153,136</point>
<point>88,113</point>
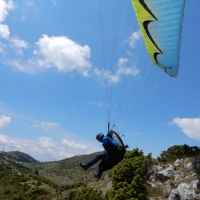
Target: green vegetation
<point>177,152</point>
<point>158,191</point>
<point>19,156</point>
<point>84,193</point>
<point>129,177</point>
<point>65,179</point>
<point>21,183</point>
<point>67,171</point>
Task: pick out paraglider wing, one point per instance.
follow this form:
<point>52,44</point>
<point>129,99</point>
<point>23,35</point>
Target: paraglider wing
<point>160,22</point>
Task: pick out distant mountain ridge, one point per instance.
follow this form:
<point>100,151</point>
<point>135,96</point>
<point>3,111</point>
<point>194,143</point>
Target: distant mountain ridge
<point>19,156</point>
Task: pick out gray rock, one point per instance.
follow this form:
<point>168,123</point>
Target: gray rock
<point>166,173</point>
<point>185,192</point>
<point>159,167</point>
<point>177,162</point>
<point>177,177</point>
<point>183,175</point>
<point>194,174</point>
<point>168,185</point>
<point>189,166</point>
<point>152,179</point>
<point>174,195</point>
<point>195,184</point>
<point>151,184</point>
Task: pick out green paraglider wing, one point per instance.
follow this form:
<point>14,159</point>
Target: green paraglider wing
<point>160,22</point>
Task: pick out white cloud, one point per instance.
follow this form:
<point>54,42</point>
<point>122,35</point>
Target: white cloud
<point>2,46</point>
<point>24,66</point>
<point>121,70</point>
<point>46,142</point>
<point>18,43</point>
<point>45,148</point>
<point>107,75</point>
<point>47,125</point>
<point>4,7</point>
<point>122,62</point>
<point>63,54</point>
<point>60,52</point>
<point>189,126</point>
<point>9,143</point>
<point>4,31</point>
<point>74,145</point>
<point>4,121</point>
<point>135,36</point>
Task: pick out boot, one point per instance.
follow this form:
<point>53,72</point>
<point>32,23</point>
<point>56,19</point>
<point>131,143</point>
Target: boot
<point>84,166</point>
<point>97,176</point>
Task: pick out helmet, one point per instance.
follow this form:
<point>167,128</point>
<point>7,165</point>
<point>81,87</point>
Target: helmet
<point>99,136</point>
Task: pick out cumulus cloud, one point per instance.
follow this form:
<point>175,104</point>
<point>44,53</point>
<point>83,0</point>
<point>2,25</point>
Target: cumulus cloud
<point>74,145</point>
<point>5,6</point>
<point>9,143</point>
<point>18,43</point>
<point>46,142</point>
<point>63,54</point>
<point>113,78</point>
<point>4,31</point>
<point>45,148</point>
<point>135,36</point>
<point>4,121</point>
<point>58,52</point>
<point>2,46</point>
<point>22,66</point>
<point>15,43</point>
<point>47,125</point>
<point>189,126</point>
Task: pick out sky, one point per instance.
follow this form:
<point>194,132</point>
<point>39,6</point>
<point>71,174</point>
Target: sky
<point>67,68</point>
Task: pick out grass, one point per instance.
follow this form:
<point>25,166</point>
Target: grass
<point>66,171</point>
<point>157,192</point>
<point>20,178</point>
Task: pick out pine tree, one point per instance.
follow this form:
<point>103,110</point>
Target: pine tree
<point>129,177</point>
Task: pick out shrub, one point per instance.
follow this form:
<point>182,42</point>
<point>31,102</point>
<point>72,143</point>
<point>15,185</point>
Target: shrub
<point>18,197</point>
<point>6,192</point>
<point>85,193</point>
<point>178,151</point>
<point>75,185</point>
<point>129,177</point>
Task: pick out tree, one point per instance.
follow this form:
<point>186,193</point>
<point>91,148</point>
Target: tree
<point>129,177</point>
<point>36,172</point>
<point>85,193</point>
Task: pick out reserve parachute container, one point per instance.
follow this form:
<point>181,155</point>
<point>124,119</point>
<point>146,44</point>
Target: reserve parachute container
<point>160,22</point>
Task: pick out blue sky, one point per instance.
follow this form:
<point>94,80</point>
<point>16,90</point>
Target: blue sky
<point>67,67</point>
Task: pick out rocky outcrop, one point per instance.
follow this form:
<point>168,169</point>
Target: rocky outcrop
<point>176,181</point>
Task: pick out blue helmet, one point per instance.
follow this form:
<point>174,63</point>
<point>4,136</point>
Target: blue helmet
<point>99,137</point>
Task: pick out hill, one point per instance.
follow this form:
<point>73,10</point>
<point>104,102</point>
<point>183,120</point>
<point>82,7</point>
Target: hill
<point>66,171</point>
<point>19,156</point>
<point>174,175</point>
<point>24,178</point>
<point>19,182</point>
